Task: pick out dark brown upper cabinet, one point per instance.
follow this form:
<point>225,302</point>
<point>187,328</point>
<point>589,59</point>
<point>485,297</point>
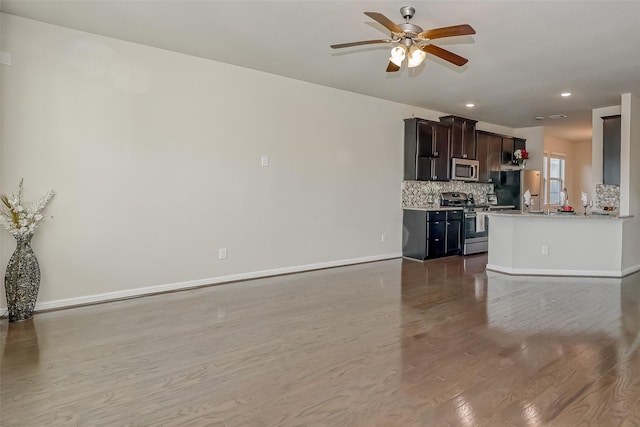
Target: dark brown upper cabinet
<point>507,150</point>
<point>426,150</point>
<point>611,136</point>
<point>463,136</point>
<point>489,154</point>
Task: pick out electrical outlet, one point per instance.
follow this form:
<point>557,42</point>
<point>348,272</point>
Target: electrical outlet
<point>545,249</point>
<point>222,253</point>
<point>383,238</point>
<point>264,161</point>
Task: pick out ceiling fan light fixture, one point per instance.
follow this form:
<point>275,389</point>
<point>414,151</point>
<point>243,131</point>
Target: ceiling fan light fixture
<point>397,55</point>
<point>416,56</point>
<point>408,38</point>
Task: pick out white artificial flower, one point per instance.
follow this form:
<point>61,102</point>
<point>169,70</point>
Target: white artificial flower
<point>19,219</point>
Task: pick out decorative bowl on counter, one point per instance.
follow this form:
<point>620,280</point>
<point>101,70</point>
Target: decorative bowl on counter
<point>605,210</point>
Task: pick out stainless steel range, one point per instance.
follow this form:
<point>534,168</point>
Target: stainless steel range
<point>474,240</point>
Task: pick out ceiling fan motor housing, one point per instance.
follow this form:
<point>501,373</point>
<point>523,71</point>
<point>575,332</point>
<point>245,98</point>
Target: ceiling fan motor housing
<point>407,12</point>
<point>410,30</point>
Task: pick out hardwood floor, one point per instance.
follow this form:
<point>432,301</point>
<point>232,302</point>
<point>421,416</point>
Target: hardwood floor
<point>391,343</point>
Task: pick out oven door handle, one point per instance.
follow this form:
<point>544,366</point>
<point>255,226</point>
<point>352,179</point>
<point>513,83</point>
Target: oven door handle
<point>472,215</point>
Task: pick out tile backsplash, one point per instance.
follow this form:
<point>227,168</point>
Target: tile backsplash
<point>415,193</point>
<point>607,195</point>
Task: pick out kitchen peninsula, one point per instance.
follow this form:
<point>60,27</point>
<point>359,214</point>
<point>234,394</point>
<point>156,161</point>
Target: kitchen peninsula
<point>557,244</point>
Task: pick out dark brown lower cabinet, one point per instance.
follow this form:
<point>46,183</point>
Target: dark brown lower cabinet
<point>454,232</point>
<point>431,234</point>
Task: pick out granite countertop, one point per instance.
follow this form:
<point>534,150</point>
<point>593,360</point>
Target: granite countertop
<point>575,216</point>
<point>433,208</point>
<point>454,208</point>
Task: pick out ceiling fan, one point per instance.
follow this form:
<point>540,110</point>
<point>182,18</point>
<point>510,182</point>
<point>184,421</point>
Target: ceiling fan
<point>413,41</point>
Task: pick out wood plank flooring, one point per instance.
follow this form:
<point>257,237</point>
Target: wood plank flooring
<point>391,343</point>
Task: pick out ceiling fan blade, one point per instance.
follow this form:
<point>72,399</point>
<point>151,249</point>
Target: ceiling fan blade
<point>386,22</point>
<point>445,54</point>
<point>392,67</point>
<point>338,46</point>
<point>456,30</point>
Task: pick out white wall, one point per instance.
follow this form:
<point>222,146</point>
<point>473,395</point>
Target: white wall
<point>572,164</point>
<point>155,158</point>
<point>490,127</point>
<point>630,179</point>
<point>630,155</point>
<point>535,145</point>
<point>582,169</point>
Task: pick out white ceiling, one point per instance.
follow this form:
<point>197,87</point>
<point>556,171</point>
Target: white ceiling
<point>524,53</point>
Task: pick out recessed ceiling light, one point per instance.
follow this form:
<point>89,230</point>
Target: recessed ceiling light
<point>565,94</point>
<point>558,116</point>
<point>539,118</point>
<point>470,105</point>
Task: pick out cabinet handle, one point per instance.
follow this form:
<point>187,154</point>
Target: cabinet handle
<point>448,223</point>
<point>435,154</point>
<point>464,156</point>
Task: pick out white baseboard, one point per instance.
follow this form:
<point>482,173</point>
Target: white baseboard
<point>631,270</point>
<point>150,290</point>
<point>550,272</point>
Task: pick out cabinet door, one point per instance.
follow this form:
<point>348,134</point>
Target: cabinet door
<point>507,150</point>
<point>519,144</point>
<point>410,148</point>
<point>482,155</point>
<point>437,236</point>
<point>489,154</point>
<point>425,151</point>
<point>440,164</point>
<point>414,234</point>
<point>456,128</point>
<point>469,139</point>
<point>611,134</point>
<point>418,149</point>
<point>462,136</point>
<point>453,237</point>
<point>494,153</point>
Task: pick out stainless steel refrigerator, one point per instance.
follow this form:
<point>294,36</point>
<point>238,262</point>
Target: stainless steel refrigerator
<point>510,186</point>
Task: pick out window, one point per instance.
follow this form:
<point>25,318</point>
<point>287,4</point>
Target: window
<point>553,174</point>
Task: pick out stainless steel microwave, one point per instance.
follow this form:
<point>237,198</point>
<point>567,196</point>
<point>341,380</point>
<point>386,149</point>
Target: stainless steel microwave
<point>464,169</point>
